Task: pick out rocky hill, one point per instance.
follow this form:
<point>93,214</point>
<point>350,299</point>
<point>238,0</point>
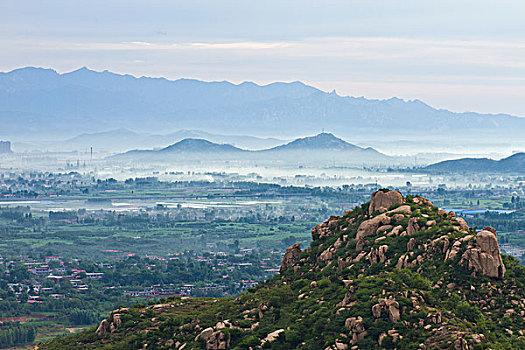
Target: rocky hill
<point>394,273</point>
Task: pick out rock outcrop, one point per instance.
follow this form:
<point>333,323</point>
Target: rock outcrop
<point>484,256</point>
<point>291,256</point>
<point>369,227</point>
<point>103,327</point>
<point>271,337</point>
<point>413,226</point>
<point>356,328</point>
<point>378,255</point>
<point>215,339</point>
<point>111,324</point>
<point>390,305</point>
<point>382,200</point>
<point>326,228</point>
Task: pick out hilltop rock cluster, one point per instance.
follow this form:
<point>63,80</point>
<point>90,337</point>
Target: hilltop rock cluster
<point>394,273</point>
<point>481,255</point>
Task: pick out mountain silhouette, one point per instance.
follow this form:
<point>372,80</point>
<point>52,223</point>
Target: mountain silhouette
<point>41,103</point>
<point>514,163</point>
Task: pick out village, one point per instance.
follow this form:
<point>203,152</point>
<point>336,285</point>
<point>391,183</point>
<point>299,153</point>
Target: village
<point>34,280</point>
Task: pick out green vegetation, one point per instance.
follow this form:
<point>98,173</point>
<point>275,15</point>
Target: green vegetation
<point>344,291</point>
<point>13,334</point>
<point>150,239</point>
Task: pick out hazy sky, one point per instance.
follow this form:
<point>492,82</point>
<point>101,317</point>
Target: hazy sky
<point>460,55</point>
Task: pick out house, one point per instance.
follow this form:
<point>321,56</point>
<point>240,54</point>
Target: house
<point>94,275</point>
<point>41,270</point>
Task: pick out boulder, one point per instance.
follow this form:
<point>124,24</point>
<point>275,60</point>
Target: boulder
<point>413,226</point>
<point>390,305</point>
<point>215,340</point>
<point>382,336</point>
<point>402,262</point>
<point>382,201</point>
<point>396,230</point>
<point>462,223</point>
<point>394,334</point>
<point>291,256</point>
<point>378,255</point>
<point>360,256</point>
<point>430,223</point>
<point>103,327</point>
<point>401,209</point>
<point>341,346</point>
<point>384,228</point>
<point>271,337</point>
<point>347,300</point>
<point>205,334</point>
<point>441,240</point>
<point>434,317</point>
<point>369,227</point>
<point>422,200</point>
<point>393,310</point>
<point>484,257</point>
<point>327,254</point>
<point>382,253</point>
<point>376,310</point>
<point>454,250</point>
<point>398,217</point>
<point>106,326</point>
<point>411,244</point>
<point>357,329</point>
<point>490,228</point>
<point>117,321</point>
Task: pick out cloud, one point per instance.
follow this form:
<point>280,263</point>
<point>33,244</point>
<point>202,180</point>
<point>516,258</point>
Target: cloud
<point>458,74</point>
<point>388,49</point>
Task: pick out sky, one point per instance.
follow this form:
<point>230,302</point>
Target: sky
<point>457,55</point>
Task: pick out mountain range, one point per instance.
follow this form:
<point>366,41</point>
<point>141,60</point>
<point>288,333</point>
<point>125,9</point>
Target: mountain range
<point>514,163</point>
<point>41,103</point>
<point>121,140</point>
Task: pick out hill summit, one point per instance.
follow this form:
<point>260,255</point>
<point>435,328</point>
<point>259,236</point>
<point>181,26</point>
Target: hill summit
<point>199,145</point>
<point>394,273</point>
<point>322,141</point>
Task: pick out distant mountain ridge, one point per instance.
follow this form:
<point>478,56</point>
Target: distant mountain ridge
<point>121,140</point>
<point>514,163</point>
<point>321,146</point>
<point>199,145</point>
<point>41,102</point>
